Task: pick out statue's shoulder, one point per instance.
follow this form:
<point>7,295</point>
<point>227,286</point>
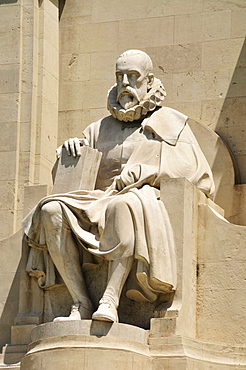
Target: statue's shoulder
<point>169,113</point>
<point>101,128</point>
<point>105,122</point>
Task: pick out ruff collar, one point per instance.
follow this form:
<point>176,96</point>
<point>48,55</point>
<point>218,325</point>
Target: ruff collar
<point>152,99</point>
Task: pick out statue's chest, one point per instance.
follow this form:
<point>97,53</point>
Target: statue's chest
<point>121,147</point>
<point>116,150</point>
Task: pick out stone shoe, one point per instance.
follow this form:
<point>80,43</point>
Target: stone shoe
<point>106,311</point>
<point>78,312</point>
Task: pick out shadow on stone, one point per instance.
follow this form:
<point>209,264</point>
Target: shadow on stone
<point>231,122</point>
<point>100,329</point>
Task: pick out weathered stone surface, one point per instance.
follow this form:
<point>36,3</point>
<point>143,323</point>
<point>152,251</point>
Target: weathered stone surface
<point>74,173</point>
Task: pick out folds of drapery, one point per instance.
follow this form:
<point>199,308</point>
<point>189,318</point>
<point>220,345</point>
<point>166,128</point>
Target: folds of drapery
<point>138,187</point>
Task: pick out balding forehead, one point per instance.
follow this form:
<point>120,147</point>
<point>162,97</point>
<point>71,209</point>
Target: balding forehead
<point>134,62</point>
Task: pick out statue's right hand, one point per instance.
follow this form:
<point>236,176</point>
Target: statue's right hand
<point>72,147</point>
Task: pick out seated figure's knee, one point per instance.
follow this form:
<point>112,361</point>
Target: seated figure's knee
<point>122,201</point>
<point>51,210</point>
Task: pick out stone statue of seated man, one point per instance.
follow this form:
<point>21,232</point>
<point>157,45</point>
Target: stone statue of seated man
<point>123,220</point>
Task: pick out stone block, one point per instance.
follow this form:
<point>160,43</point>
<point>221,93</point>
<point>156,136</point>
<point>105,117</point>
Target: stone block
<point>43,169</point>
<point>27,20</point>
<point>19,214</point>
<point>216,308</point>
<point>8,229</point>
<point>27,137</point>
<point>241,161</point>
<point>7,195</point>
<point>49,30</point>
<point>76,67</point>
<point>215,83</point>
<point>14,353</point>
<point>156,8</point>
<point>8,136</point>
<point>10,18</point>
<point>233,113</point>
<point>157,32</point>
<point>205,26</point>
<point>50,59</point>
<point>96,37</point>
<point>47,142</point>
<point>76,9</point>
<point>163,327</point>
<point>123,11</point>
<point>96,114</point>
<point>211,5</point>
<point>181,58</point>
<point>26,161</point>
<point>72,124</point>
<point>8,165</point>
<point>67,21</point>
<point>69,40</point>
<point>9,78</point>
<point>238,23</point>
<point>220,250</point>
<point>73,96</point>
<point>211,111</point>
<point>191,108</point>
<point>221,54</point>
<point>51,8</point>
<point>237,138</point>
<point>21,334</point>
<point>237,86</point>
<point>188,28</point>
<point>9,107</point>
<point>7,278</point>
<point>187,86</point>
<point>240,201</point>
<point>97,60</point>
<point>49,86</point>
<point>27,99</point>
<point>216,25</point>
<point>96,94</point>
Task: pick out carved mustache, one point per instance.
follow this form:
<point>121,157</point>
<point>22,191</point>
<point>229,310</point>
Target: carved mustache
<point>128,90</point>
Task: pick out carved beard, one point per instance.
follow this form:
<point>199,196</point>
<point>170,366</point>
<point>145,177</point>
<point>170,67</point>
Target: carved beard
<point>152,99</point>
<point>128,97</point>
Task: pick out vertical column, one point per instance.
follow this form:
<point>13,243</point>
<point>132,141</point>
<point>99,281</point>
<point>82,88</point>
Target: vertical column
<point>29,102</point>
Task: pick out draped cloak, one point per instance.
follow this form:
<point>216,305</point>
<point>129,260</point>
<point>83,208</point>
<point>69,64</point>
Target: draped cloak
<point>135,157</point>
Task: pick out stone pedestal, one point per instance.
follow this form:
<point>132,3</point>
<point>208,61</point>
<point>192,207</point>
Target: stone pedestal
<point>87,345</point>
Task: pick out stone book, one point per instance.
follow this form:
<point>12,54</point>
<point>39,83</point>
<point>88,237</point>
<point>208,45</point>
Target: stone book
<point>76,173</point>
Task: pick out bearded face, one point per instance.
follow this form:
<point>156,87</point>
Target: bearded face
<point>132,81</point>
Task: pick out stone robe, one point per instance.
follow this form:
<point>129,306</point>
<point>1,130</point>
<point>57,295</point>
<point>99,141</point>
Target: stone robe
<point>125,215</point>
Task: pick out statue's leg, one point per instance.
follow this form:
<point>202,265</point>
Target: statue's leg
<point>118,272</point>
<point>65,255</point>
<point>118,231</point>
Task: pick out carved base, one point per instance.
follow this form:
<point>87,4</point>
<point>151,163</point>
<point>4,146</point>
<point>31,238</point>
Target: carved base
<point>89,345</point>
<point>99,345</point>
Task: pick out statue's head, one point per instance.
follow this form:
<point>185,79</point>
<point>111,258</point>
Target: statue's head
<point>134,77</point>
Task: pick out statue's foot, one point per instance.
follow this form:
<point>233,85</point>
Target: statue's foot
<point>106,311</point>
<point>78,312</point>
